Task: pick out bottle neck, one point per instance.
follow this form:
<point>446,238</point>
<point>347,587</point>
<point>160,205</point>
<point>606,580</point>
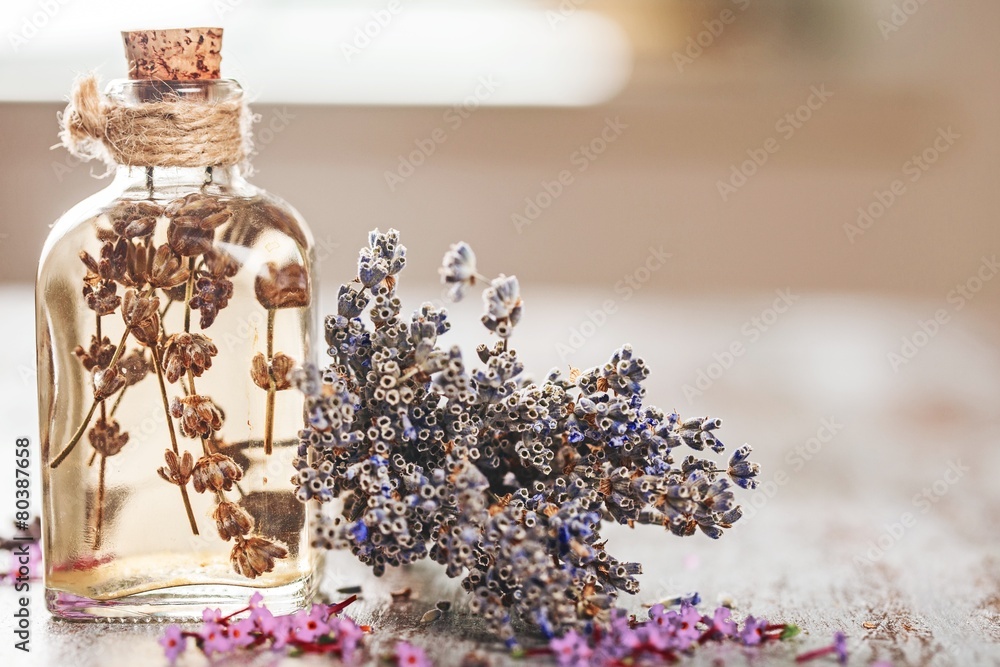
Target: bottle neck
<point>183,97</point>
<point>172,182</point>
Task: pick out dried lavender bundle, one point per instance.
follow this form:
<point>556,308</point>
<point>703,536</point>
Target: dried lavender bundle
<point>502,480</point>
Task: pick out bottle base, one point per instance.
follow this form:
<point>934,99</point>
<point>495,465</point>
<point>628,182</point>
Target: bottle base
<point>179,604</point>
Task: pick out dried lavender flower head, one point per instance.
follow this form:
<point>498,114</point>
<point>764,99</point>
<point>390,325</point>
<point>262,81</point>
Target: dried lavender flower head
<point>504,481</point>
<point>287,287</point>
<point>459,270</point>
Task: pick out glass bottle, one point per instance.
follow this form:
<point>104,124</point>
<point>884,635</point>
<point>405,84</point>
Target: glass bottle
<point>172,308</point>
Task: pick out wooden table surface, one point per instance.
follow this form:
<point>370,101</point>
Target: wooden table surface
<point>878,513</point>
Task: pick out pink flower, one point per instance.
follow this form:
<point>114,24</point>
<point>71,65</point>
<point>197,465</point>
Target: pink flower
<point>571,650</point>
<point>348,634</point>
<point>753,631</point>
<point>281,632</point>
<point>686,626</point>
<point>214,638</point>
<point>658,615</point>
<point>34,560</point>
<point>307,627</point>
<point>408,655</point>
<point>173,643</point>
<point>262,617</point>
<point>680,627</point>
<point>655,637</point>
<point>211,615</point>
<point>240,633</point>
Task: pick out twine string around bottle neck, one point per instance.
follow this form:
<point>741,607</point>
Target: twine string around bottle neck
<point>173,132</point>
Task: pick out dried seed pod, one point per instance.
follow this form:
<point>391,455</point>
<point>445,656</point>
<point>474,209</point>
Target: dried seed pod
<point>193,220</point>
<point>221,264</point>
<point>133,219</point>
<point>113,261</point>
<point>231,520</point>
<point>254,556</point>
<point>101,296</point>
<point>106,437</point>
<point>137,309</point>
<point>91,264</point>
<point>431,616</point>
<point>185,352</point>
<point>211,294</point>
<point>98,355</point>
<point>187,237</point>
<point>166,270</point>
<point>147,332</point>
<point>138,261</point>
<point>200,206</point>
<point>215,472</point>
<point>287,287</point>
<point>178,470</point>
<point>279,370</point>
<point>107,381</point>
<point>198,415</point>
<point>134,366</point>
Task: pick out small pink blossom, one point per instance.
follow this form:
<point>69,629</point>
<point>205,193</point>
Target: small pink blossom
<point>211,616</point>
<point>173,643</point>
<point>721,623</point>
<point>408,655</point>
<point>240,633</point>
<point>753,631</point>
<point>308,626</point>
<point>571,650</point>
<point>214,638</point>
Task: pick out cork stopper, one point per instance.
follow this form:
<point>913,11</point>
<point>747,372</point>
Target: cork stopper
<point>179,54</point>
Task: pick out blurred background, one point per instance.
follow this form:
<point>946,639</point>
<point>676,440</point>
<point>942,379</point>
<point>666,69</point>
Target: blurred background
<point>349,109</point>
<point>787,206</point>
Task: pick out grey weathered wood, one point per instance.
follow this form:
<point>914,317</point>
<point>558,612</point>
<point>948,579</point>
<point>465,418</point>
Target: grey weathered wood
<point>932,598</point>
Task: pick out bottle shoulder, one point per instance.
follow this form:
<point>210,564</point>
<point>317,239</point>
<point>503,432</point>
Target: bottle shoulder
<point>283,217</point>
<point>253,213</point>
<point>77,220</point>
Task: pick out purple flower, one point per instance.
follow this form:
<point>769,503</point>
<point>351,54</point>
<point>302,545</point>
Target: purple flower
<point>620,639</point>
<point>408,655</point>
<point>753,631</point>
<point>721,623</point>
<point>681,628</point>
<point>658,615</point>
<point>655,636</point>
<point>173,643</point>
<point>214,638</point>
<point>685,624</point>
<point>571,650</point>
<point>840,646</point>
